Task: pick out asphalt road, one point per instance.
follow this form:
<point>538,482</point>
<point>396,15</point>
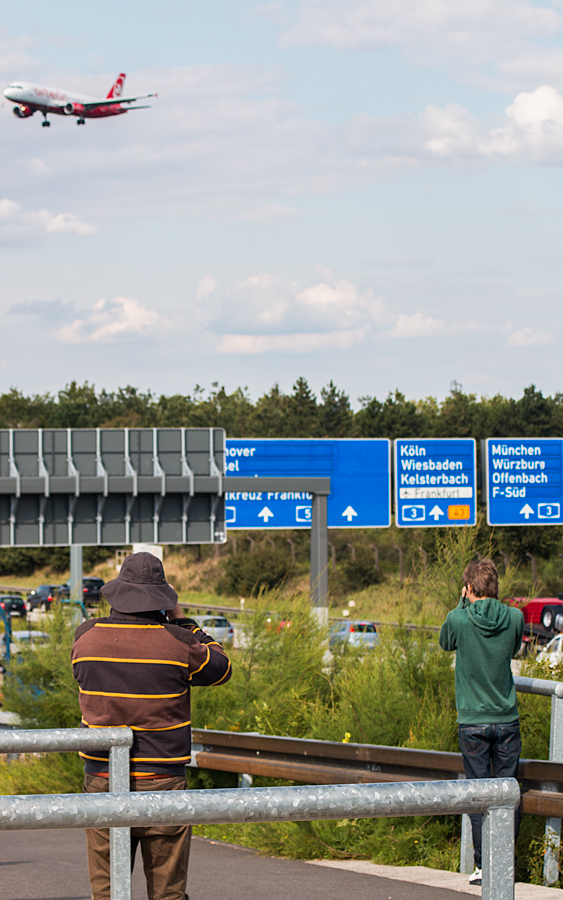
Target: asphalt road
<point>51,865</point>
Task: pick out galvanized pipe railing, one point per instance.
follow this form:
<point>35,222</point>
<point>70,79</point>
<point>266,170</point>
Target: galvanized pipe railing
<point>495,798</point>
<point>61,740</point>
<point>552,824</point>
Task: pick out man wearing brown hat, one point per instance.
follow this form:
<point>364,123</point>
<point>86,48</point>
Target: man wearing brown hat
<point>135,668</point>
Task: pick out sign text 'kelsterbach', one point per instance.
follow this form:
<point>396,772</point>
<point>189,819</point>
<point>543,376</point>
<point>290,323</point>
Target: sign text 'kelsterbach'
<point>410,465</point>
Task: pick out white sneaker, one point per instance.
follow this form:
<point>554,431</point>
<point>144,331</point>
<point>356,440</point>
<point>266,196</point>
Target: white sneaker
<point>476,876</point>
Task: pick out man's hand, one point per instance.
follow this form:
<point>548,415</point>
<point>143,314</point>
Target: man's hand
<point>176,613</point>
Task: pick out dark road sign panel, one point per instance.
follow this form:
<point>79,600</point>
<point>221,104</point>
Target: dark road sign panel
<point>111,486</point>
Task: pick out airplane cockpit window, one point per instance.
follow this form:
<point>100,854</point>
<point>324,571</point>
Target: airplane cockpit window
<point>17,86</point>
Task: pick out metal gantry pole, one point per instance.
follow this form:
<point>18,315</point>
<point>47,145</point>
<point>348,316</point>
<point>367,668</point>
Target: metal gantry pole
<point>119,838</point>
<point>76,572</point>
<point>319,558</point>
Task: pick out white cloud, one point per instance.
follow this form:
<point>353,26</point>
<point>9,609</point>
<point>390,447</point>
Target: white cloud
<point>265,314</point>
<point>266,305</point>
<point>238,149</point>
<point>467,34</point>
<point>419,325</point>
<point>531,130</point>
<point>16,223</point>
<point>252,344</point>
<point>528,337</point>
<point>111,320</point>
<point>15,55</point>
<point>206,286</point>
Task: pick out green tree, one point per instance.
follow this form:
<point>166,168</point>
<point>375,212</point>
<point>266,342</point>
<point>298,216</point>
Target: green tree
<point>334,413</point>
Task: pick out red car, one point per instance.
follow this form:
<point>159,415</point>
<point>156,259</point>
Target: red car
<point>539,611</point>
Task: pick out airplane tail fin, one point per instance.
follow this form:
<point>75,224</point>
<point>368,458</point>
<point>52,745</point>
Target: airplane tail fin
<point>117,88</point>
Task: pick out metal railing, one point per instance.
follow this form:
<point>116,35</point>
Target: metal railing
<point>328,763</point>
<point>495,798</point>
<point>61,740</point>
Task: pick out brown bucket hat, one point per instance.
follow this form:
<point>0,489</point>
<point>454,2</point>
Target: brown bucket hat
<point>140,586</point>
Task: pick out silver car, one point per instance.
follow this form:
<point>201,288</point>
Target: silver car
<point>355,632</point>
<point>217,627</point>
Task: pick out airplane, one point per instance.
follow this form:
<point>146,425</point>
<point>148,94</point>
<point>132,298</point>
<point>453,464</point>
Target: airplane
<point>32,98</point>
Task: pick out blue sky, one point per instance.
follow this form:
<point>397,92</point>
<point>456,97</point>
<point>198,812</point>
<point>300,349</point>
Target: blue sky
<point>358,190</point>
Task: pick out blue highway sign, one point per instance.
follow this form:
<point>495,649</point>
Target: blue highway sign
<point>435,482</point>
<point>524,481</point>
<point>360,482</point>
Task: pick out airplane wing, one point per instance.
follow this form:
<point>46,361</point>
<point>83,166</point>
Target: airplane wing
<point>115,101</point>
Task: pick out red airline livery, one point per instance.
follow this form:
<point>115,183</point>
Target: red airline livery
<point>31,98</point>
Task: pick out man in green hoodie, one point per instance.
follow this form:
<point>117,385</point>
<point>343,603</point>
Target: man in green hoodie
<point>486,635</point>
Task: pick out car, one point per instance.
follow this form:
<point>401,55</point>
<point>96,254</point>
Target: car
<point>12,604</point>
<point>217,627</point>
<point>90,590</point>
<point>552,653</point>
<point>43,596</point>
<point>355,632</point>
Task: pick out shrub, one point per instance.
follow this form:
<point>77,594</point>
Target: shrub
<point>250,573</point>
<point>356,574</point>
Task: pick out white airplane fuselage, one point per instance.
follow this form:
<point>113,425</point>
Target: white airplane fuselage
<point>32,98</point>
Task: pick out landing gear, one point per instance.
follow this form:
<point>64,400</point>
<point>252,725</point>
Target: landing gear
<point>81,122</point>
<point>45,123</point>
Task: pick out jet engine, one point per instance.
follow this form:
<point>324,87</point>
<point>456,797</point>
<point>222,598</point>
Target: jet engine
<point>22,112</point>
<point>74,109</point>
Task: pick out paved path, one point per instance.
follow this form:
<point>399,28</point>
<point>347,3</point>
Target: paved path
<point>51,865</point>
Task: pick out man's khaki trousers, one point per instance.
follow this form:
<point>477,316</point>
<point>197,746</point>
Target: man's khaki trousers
<point>165,849</point>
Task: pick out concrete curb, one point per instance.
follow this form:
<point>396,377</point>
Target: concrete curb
<point>453,881</point>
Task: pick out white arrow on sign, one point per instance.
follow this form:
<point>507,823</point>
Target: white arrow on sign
<point>436,512</point>
<point>349,512</point>
<point>527,511</point>
<point>265,514</point>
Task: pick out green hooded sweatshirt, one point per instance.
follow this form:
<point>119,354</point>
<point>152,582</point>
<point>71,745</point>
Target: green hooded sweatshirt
<point>486,635</point>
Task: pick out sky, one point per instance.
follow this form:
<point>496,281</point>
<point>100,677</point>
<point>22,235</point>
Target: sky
<point>367,191</point>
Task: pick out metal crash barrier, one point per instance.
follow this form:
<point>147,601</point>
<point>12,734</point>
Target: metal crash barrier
<point>62,740</point>
<point>495,798</point>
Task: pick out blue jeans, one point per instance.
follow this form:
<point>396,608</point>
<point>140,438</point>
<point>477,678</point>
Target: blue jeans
<point>490,751</point>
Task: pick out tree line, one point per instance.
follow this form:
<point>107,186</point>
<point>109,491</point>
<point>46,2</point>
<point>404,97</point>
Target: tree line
<point>299,413</point>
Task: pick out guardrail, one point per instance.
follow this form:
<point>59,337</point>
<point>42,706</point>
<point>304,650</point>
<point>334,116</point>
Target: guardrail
<point>58,740</point>
<point>327,762</point>
<point>495,798</point>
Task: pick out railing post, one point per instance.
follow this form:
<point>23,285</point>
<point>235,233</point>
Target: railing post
<point>119,838</point>
<point>498,854</point>
<point>553,825</point>
<point>466,849</point>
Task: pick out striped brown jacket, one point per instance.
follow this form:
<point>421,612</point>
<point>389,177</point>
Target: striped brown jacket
<point>138,671</point>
